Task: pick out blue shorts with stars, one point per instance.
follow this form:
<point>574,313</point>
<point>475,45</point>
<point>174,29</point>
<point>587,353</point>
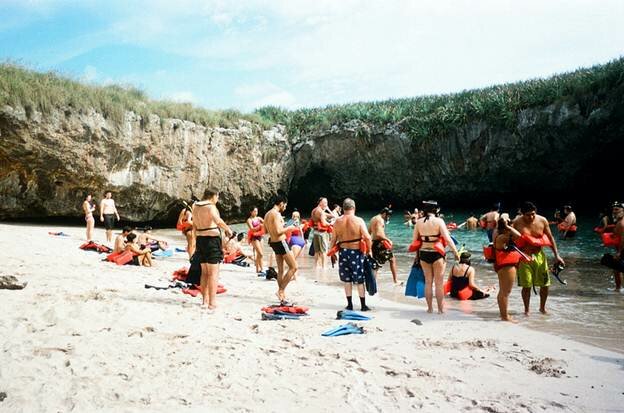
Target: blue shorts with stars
<point>351,266</point>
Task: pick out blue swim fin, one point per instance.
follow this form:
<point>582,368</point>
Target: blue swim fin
<point>415,286</point>
<point>344,329</point>
<point>351,315</point>
<point>163,253</point>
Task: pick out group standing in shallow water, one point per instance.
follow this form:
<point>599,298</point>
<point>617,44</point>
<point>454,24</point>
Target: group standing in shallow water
<point>517,247</point>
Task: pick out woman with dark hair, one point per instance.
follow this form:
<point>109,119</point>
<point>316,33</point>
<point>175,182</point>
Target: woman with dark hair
<point>256,229</point>
<point>141,257</point>
<point>431,237</point>
<point>462,280</point>
<point>185,226</point>
<point>506,264</point>
<point>88,206</point>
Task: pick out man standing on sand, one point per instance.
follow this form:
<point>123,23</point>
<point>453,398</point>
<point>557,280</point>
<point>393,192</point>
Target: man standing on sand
<point>349,230</point>
<point>274,226</point>
<point>534,273</point>
<point>108,212</point>
<point>320,239</point>
<point>490,219</point>
<point>382,251</point>
<point>206,230</point>
<point>618,215</point>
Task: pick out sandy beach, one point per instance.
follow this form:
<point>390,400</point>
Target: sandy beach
<point>85,335</point>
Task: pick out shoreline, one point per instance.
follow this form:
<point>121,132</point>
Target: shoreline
<point>87,335</point>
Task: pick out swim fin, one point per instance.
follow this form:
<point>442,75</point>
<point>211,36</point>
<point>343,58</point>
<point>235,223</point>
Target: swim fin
<point>344,329</point>
<point>163,253</point>
<point>415,285</point>
<point>283,316</point>
<point>351,315</point>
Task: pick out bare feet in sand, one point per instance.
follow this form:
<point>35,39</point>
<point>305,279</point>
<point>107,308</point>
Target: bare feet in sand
<point>543,311</point>
<point>509,319</point>
<point>430,310</point>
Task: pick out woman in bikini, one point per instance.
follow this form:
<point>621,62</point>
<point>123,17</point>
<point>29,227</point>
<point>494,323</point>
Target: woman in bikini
<point>431,231</point>
<point>254,223</point>
<point>88,206</point>
<point>505,266</point>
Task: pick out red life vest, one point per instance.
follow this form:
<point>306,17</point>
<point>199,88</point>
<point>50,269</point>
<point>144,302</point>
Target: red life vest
<point>255,232</point>
<point>439,246</point>
<point>527,240</point>
<point>610,239</point>
<point>488,253</point>
<point>564,227</point>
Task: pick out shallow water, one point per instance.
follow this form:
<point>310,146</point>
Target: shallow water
<point>584,310</point>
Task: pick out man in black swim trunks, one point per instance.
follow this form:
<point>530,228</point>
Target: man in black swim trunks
<point>206,227</point>
<point>381,252</point>
<point>274,226</point>
<point>108,213</point>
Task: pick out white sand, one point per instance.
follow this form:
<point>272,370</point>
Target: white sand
<point>85,335</point>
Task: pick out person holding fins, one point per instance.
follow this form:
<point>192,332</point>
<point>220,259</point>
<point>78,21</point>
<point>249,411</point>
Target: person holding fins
<point>462,280</point>
<point>535,234</point>
<point>255,231</point>
<point>353,241</point>
<point>382,245</point>
<point>207,226</point>
<point>430,238</point>
<point>506,264</point>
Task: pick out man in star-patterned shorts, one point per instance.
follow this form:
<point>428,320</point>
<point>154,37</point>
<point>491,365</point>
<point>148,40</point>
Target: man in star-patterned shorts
<point>351,235</point>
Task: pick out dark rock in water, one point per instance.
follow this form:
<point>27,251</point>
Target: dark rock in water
<point>9,282</point>
<point>417,322</point>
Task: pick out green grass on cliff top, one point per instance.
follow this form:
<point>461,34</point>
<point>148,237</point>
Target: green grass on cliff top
<point>45,91</point>
<point>418,117</point>
<point>431,116</point>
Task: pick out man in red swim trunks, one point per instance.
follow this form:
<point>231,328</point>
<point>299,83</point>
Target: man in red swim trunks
<point>534,273</point>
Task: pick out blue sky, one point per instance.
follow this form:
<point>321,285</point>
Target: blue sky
<point>291,53</point>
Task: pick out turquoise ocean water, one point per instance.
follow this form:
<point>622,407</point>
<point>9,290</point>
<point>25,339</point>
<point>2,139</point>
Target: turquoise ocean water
<point>584,310</point>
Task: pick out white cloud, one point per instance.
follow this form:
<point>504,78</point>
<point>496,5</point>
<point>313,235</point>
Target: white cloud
<point>332,51</point>
<point>89,74</point>
<point>183,96</point>
<point>264,94</point>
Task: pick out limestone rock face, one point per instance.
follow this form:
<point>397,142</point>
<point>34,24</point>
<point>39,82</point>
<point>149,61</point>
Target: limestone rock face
<point>567,151</point>
<point>49,163</point>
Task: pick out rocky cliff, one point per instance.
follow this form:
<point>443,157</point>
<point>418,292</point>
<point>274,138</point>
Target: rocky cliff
<point>49,163</point>
<point>567,150</point>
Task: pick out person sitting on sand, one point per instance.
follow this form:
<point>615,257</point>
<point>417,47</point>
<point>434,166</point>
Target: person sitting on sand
<point>142,256</point>
<point>349,231</point>
<point>503,241</point>
<point>462,275</point>
<point>120,240</point>
<point>382,245</point>
<point>274,225</point>
<point>88,206</point>
<point>430,231</point>
<point>108,212</point>
<point>254,223</point>
<point>535,273</point>
<point>234,249</point>
<point>147,240</point>
<point>206,224</point>
<point>490,219</point>
<point>472,223</point>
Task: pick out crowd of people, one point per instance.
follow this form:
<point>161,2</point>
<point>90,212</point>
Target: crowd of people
<point>339,235</point>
